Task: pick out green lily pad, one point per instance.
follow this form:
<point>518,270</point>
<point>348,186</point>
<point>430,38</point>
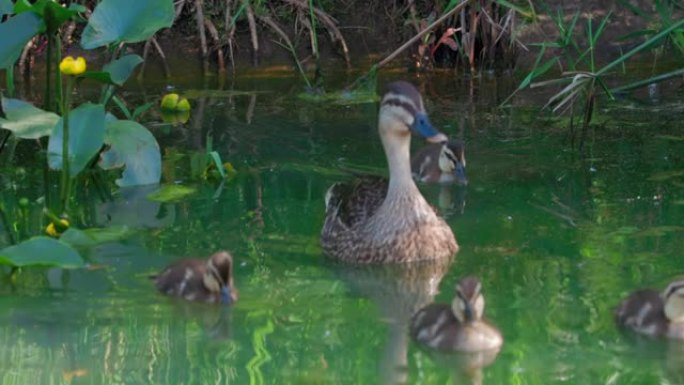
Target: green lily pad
<point>94,236</point>
<point>129,21</point>
<point>16,32</point>
<point>26,121</point>
<point>86,135</point>
<point>121,69</point>
<point>41,251</point>
<point>171,193</point>
<point>6,7</point>
<point>132,145</point>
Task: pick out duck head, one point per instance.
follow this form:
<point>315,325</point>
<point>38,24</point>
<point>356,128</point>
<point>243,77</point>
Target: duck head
<point>673,298</point>
<point>402,113</point>
<point>468,304</point>
<point>218,277</point>
<point>452,160</point>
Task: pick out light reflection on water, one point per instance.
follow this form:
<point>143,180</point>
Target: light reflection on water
<point>557,239</point>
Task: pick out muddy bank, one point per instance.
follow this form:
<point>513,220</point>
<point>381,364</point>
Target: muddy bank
<point>372,30</point>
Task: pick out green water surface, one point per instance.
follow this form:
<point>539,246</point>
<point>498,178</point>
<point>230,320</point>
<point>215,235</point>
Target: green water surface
<point>558,237</point>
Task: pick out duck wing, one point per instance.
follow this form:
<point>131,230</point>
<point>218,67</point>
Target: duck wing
<point>352,203</point>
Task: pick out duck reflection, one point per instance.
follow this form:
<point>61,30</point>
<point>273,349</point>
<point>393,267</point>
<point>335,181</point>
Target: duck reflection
<point>398,291</point>
<point>444,164</point>
<point>466,368</point>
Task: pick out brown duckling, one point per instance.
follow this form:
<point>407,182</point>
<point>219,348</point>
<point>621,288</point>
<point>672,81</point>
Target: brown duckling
<point>440,163</point>
<point>458,327</point>
<point>208,281</point>
<point>654,314</point>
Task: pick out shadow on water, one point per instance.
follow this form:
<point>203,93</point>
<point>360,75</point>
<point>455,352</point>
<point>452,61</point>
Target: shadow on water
<point>557,238</point>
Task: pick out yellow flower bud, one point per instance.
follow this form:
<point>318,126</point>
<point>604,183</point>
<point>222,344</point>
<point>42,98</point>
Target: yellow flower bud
<point>56,231</point>
<point>71,66</point>
<point>183,105</point>
<point>66,65</point>
<point>169,102</point>
<point>79,66</point>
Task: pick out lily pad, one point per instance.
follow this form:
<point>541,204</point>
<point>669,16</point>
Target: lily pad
<point>41,251</point>
<point>129,21</point>
<point>94,236</point>
<point>16,32</point>
<point>26,121</point>
<point>6,7</point>
<point>121,69</point>
<point>171,193</point>
<point>86,135</point>
<point>132,145</point>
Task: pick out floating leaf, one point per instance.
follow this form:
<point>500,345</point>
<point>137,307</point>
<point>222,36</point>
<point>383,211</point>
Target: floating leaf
<point>86,135</point>
<point>134,146</point>
<point>41,251</point>
<point>121,69</point>
<point>94,236</point>
<point>6,7</point>
<point>171,193</point>
<point>129,21</point>
<point>16,32</point>
<point>26,121</point>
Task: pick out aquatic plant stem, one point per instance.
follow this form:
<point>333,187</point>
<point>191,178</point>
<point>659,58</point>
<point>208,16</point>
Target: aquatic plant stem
<point>10,81</point>
<point>66,179</point>
<point>58,77</point>
<point>421,34</point>
<point>47,104</point>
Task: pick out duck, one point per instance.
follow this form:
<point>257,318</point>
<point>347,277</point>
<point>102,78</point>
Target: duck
<point>376,220</point>
<point>209,281</point>
<point>653,313</point>
<point>458,327</point>
<point>440,163</point>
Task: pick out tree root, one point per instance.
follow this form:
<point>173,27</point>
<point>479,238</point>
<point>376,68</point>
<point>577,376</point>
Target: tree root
<point>199,17</point>
<point>253,32</point>
<point>214,35</point>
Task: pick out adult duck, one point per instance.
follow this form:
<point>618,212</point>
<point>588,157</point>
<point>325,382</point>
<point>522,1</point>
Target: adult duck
<point>372,220</point>
<point>653,313</point>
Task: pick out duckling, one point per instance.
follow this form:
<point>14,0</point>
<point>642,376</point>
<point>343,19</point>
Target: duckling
<point>371,220</point>
<point>440,163</point>
<point>459,327</point>
<point>654,314</point>
<point>208,281</point>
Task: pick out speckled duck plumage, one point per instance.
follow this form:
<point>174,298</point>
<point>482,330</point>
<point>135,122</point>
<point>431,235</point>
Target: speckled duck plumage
<point>372,220</point>
<point>653,313</point>
<point>209,280</point>
<point>440,163</point>
<point>458,327</point>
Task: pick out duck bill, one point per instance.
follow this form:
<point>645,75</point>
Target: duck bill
<point>468,314</point>
<point>459,174</point>
<point>226,295</point>
<point>423,127</point>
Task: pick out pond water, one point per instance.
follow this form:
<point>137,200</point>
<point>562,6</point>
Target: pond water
<point>558,237</point>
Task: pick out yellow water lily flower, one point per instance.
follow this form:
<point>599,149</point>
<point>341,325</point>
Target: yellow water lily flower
<point>173,102</point>
<point>169,102</point>
<point>71,66</point>
<point>183,105</point>
<point>56,231</point>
